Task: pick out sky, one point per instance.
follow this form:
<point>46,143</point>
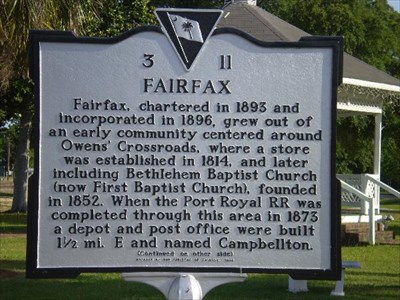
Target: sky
<point>395,4</point>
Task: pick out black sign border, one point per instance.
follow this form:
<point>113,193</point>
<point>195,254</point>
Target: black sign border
<point>32,269</point>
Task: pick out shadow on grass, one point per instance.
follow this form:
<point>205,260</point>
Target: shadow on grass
<point>395,229</point>
<point>85,287</point>
<point>377,274</point>
<point>13,218</point>
<point>6,194</point>
<point>16,265</point>
<point>389,292</point>
<point>12,222</point>
<point>12,229</point>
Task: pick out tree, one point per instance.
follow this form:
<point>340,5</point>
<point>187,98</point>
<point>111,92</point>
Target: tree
<point>117,17</point>
<point>371,28</point>
<point>17,17</point>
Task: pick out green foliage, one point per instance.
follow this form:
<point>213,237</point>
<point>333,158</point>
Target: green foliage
<point>18,96</point>
<point>344,163</point>
<point>117,17</point>
<point>17,17</point>
<point>371,28</point>
<point>355,145</point>
<point>391,144</point>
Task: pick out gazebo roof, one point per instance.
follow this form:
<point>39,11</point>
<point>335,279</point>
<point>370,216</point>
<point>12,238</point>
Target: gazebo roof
<point>268,27</point>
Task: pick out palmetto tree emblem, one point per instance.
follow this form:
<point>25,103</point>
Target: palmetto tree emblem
<point>186,32</point>
<point>188,26</point>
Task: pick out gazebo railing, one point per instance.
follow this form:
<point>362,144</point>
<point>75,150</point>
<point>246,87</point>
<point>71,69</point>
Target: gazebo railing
<point>383,185</point>
<point>351,197</point>
<point>361,190</point>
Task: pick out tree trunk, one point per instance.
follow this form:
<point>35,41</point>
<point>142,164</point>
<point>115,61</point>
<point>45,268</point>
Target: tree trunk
<point>22,164</point>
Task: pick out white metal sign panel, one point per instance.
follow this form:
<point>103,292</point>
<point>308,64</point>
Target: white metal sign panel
<point>145,165</point>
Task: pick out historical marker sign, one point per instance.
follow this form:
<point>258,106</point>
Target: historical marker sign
<point>188,149</point>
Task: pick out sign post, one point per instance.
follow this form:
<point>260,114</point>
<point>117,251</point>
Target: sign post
<point>184,149</point>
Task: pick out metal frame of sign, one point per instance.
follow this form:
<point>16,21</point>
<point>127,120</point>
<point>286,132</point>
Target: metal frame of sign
<point>32,269</point>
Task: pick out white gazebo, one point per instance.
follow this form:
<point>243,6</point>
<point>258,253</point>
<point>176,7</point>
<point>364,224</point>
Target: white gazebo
<point>363,92</point>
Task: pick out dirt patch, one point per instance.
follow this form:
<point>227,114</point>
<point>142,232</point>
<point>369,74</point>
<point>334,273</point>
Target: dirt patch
<point>12,235</point>
<point>5,203</point>
<point>6,190</point>
<point>6,185</point>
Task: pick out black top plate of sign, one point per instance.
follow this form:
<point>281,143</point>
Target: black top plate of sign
<point>115,114</point>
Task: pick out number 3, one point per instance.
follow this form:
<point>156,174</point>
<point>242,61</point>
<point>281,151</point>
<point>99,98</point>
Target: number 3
<point>149,60</point>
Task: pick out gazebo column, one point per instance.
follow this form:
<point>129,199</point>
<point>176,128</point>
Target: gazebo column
<point>365,206</point>
<point>378,145</point>
<point>377,157</point>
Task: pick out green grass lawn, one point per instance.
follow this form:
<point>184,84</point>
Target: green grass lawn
<point>390,203</point>
<point>379,277</point>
